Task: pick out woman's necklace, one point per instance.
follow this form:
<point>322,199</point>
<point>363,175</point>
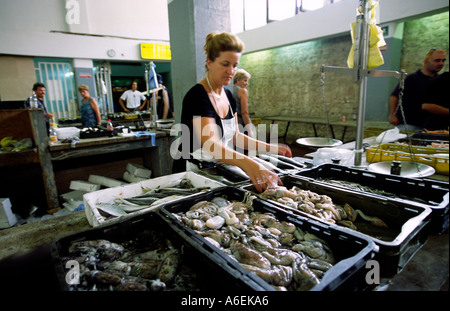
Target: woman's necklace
<point>212,92</point>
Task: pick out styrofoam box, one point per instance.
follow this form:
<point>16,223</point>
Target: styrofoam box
<point>105,181</point>
<point>139,170</point>
<point>75,195</point>
<point>127,176</point>
<point>83,185</point>
<point>128,191</point>
<point>66,132</point>
<point>7,217</point>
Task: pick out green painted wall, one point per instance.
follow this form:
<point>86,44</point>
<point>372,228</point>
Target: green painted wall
<point>420,36</point>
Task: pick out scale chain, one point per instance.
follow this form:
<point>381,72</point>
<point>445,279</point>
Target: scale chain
<point>400,105</point>
<point>322,83</point>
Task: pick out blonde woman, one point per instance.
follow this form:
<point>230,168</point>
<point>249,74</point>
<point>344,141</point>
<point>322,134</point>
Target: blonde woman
<point>90,113</point>
<point>209,116</point>
<point>240,82</point>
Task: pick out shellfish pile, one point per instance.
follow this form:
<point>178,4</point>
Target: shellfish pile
<point>280,253</point>
<point>149,262</point>
<point>320,206</point>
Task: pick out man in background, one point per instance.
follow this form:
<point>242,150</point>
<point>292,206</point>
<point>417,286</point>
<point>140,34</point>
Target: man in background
<point>436,104</point>
<point>133,99</point>
<point>39,90</point>
<point>414,90</point>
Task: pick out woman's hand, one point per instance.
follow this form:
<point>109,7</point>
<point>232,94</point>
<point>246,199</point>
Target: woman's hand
<point>261,177</point>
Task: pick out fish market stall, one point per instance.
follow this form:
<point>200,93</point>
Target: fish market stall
<point>351,249</point>
<point>321,231</point>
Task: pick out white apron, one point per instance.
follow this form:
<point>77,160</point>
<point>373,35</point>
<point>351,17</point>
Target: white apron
<point>228,132</point>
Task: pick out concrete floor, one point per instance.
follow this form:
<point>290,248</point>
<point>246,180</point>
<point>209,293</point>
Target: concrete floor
<point>427,270</point>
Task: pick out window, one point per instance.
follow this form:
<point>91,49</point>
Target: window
<point>255,13</point>
<point>310,5</point>
<point>60,95</point>
<point>237,15</point>
<point>279,10</point>
<point>250,14</point>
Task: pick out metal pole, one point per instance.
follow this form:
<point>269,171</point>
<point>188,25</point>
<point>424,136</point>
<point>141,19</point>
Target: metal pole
<point>147,71</point>
<point>360,72</point>
<point>102,82</point>
<point>154,104</point>
<point>362,43</point>
<point>146,81</point>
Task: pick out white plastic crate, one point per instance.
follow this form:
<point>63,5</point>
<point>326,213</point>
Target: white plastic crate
<point>135,189</point>
<point>66,132</point>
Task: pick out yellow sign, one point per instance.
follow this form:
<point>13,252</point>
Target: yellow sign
<point>155,51</point>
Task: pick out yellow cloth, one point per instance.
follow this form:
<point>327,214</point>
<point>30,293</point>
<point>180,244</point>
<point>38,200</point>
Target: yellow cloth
<point>376,40</point>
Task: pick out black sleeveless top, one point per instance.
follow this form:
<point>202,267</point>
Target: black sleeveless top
<point>196,103</point>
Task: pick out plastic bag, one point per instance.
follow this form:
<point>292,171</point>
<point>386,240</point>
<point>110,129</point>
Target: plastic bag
<point>324,155</point>
<point>389,136</point>
<point>376,40</point>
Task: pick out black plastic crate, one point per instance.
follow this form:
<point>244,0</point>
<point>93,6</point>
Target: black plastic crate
<point>406,232</point>
<point>351,251</point>
<point>431,136</point>
<point>208,267</point>
<point>420,192</point>
<point>93,132</point>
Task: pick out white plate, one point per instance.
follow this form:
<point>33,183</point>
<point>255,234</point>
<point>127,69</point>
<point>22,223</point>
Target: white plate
<point>319,142</point>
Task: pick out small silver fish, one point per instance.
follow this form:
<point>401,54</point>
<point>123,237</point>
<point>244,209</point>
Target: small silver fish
<point>277,162</point>
<point>132,208</point>
<point>110,209</point>
<point>232,171</point>
<point>140,201</point>
<point>288,160</point>
<point>267,165</point>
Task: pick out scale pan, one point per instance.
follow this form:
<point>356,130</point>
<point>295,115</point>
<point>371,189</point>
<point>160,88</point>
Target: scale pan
<point>409,169</point>
<point>318,142</point>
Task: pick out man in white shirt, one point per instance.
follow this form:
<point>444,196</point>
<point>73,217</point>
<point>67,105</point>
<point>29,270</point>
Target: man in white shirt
<point>133,99</point>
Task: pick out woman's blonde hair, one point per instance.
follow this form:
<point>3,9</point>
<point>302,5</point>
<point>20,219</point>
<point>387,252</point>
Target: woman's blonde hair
<point>241,74</point>
<point>217,42</point>
<point>83,87</point>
